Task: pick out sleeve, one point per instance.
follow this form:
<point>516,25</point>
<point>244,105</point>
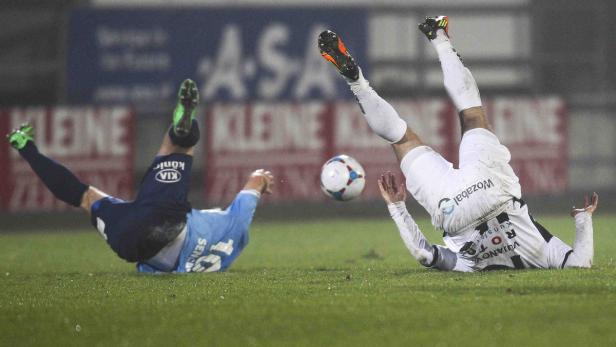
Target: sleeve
<point>243,206</point>
<point>412,237</point>
<point>447,260</point>
<point>583,247</point>
<point>561,255</point>
<point>245,200</point>
<point>558,253</point>
<point>432,256</point>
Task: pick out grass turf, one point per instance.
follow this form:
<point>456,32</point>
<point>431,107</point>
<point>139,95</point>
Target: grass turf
<point>343,282</point>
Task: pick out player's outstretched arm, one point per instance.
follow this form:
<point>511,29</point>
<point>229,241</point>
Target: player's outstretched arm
<point>245,204</point>
<point>394,195</point>
<point>583,248</point>
<point>428,255</point>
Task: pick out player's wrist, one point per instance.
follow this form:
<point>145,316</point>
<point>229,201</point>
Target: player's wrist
<point>257,183</point>
<point>583,216</point>
<point>251,192</point>
<point>396,208</point>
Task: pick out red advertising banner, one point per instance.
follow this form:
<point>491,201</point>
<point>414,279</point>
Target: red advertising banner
<point>294,140</point>
<point>536,133</point>
<point>429,117</point>
<point>289,139</point>
<point>94,142</point>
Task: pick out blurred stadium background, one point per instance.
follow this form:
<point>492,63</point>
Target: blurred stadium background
<point>98,79</point>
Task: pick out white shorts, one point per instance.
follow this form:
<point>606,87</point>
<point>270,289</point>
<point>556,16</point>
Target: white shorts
<point>460,198</point>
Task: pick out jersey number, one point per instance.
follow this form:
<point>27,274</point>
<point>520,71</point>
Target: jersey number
<point>213,262</point>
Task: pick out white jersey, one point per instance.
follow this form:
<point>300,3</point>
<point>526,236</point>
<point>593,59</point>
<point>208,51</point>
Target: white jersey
<point>512,239</point>
<point>479,207</point>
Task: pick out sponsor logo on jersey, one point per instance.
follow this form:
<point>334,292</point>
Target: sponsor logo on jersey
<point>168,176</point>
<point>500,250</point>
<point>447,206</point>
<point>495,235</point>
<point>172,164</point>
<point>169,171</point>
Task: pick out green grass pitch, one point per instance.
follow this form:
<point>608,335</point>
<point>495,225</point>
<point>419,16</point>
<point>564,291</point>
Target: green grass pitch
<point>329,283</point>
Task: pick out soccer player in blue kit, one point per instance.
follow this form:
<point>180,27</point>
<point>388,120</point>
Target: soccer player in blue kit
<point>159,230</point>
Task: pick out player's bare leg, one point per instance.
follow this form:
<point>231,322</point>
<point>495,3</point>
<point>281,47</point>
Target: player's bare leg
<point>91,196</point>
<point>409,141</point>
<point>379,114</point>
<point>458,80</point>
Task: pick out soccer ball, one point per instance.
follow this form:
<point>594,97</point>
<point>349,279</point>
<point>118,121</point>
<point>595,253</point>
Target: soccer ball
<point>342,178</point>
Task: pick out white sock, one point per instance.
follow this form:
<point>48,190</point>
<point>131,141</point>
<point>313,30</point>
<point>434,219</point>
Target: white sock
<point>380,115</point>
<point>441,37</point>
<point>359,85</point>
<point>458,80</point>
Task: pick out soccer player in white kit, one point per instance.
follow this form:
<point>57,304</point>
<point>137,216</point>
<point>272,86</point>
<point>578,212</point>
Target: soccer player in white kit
<point>486,224</point>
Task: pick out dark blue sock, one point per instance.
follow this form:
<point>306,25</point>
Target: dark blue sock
<point>189,140</point>
<point>58,179</point>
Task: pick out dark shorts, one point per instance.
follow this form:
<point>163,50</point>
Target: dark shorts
<point>137,230</point>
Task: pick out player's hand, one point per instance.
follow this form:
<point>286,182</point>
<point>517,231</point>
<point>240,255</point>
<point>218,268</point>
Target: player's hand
<point>391,191</point>
<point>260,180</point>
<point>589,206</point>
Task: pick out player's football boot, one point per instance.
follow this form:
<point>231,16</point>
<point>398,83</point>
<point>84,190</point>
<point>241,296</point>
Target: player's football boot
<point>430,26</point>
<point>332,49</point>
<point>19,138</point>
<point>186,107</point>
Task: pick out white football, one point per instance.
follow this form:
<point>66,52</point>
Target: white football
<point>343,178</point>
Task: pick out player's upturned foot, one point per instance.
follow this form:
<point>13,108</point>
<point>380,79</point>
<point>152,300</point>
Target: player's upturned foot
<point>185,109</point>
<point>432,24</point>
<point>19,138</point>
<point>332,49</point>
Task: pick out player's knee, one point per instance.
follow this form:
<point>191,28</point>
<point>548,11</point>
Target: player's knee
<point>410,138</point>
<point>90,196</point>
<point>472,118</point>
<point>409,141</point>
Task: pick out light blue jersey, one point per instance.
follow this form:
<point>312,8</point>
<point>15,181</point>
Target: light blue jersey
<point>215,237</point>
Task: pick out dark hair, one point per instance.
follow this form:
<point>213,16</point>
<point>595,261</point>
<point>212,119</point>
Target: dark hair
<point>157,237</point>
